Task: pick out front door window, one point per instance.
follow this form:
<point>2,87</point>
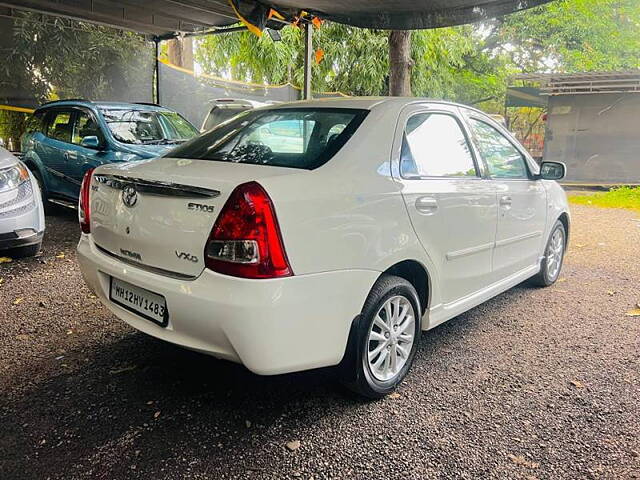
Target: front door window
<point>502,158</point>
<point>84,126</point>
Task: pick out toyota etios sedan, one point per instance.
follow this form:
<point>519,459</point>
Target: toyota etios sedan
<point>322,233</point>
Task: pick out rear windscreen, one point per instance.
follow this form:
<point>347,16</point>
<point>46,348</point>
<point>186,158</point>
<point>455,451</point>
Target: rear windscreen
<point>220,114</point>
<point>285,137</point>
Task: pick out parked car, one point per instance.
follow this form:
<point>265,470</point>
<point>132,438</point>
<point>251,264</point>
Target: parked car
<point>390,216</point>
<point>223,109</point>
<point>21,212</point>
<point>66,138</point>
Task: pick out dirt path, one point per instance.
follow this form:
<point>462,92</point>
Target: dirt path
<point>534,384</point>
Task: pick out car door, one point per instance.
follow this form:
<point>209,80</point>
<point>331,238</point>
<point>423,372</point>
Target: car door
<point>80,157</point>
<point>54,148</point>
<point>452,208</point>
<point>35,146</point>
<point>522,200</point>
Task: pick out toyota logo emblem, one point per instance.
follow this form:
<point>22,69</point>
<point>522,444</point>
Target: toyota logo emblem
<point>129,196</point>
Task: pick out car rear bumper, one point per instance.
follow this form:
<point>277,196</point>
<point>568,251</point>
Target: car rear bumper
<point>270,326</point>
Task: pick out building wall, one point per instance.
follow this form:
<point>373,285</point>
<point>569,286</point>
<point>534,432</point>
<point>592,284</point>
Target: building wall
<point>597,136</point>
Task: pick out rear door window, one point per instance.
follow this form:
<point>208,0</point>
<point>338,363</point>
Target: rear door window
<point>35,123</point>
<point>288,137</point>
<point>434,145</point>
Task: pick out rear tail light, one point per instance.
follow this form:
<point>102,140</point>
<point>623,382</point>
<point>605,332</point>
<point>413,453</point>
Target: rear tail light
<point>84,211</point>
<point>245,240</point>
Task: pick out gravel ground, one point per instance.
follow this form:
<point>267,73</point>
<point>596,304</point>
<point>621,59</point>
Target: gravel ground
<point>536,383</point>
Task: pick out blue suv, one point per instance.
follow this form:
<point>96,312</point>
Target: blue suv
<point>65,138</point>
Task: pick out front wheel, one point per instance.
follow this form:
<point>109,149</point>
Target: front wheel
<point>553,257</point>
<point>385,339</point>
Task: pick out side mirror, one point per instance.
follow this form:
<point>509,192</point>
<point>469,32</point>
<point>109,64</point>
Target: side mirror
<point>90,142</point>
<point>552,171</point>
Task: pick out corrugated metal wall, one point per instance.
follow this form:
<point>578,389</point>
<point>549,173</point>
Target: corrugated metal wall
<point>597,136</point>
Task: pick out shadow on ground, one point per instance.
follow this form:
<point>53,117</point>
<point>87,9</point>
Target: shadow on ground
<point>131,402</point>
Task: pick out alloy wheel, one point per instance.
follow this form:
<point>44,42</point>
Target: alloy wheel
<point>391,338</point>
<point>555,251</point>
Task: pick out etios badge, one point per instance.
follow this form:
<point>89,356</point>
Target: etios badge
<point>129,196</point>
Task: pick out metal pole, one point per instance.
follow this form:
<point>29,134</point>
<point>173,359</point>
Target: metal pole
<point>308,51</point>
<point>156,98</point>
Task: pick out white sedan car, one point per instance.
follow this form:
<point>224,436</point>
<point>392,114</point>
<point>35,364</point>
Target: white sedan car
<point>391,216</point>
<point>21,212</point>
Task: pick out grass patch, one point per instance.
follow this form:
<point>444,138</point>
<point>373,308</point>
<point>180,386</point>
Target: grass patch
<point>621,197</point>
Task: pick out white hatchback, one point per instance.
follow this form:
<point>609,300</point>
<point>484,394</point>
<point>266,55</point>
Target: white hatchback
<point>322,233</point>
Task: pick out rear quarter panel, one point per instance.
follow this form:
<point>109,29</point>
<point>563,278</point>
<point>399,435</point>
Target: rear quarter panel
<point>348,214</point>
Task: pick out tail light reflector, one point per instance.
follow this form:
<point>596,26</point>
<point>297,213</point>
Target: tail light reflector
<point>84,210</point>
<point>246,240</point>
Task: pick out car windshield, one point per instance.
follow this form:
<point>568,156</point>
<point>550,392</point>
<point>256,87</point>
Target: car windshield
<point>283,137</point>
<point>148,127</point>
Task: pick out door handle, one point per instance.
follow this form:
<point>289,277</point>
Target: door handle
<point>426,205</point>
<point>505,201</point>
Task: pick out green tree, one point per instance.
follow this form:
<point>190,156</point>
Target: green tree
<point>52,57</point>
<point>467,63</point>
<point>58,57</point>
<point>356,61</point>
<point>571,36</point>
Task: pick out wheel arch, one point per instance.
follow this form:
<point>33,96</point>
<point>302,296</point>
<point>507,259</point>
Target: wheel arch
<point>417,275</point>
<point>34,164</point>
<point>564,219</point>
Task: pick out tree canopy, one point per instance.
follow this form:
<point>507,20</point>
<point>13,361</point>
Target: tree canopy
<point>571,36</point>
<point>50,57</point>
<point>467,63</point>
<point>355,60</point>
<point>53,57</point>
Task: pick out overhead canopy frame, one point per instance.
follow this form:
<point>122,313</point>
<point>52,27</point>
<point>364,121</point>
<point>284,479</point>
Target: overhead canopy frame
<point>165,18</point>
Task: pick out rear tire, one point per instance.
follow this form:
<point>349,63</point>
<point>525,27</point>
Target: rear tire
<point>384,339</point>
<point>551,264</point>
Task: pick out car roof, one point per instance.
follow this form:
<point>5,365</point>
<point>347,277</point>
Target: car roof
<point>367,103</point>
<point>104,105</point>
<point>236,102</point>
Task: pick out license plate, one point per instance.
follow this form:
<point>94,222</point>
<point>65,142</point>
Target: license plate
<point>140,301</point>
